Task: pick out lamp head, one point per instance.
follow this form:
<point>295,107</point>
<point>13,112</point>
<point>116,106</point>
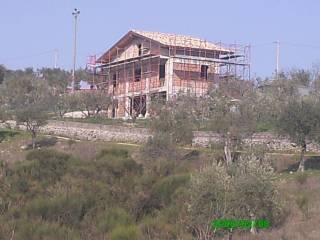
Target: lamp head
<point>75,12</point>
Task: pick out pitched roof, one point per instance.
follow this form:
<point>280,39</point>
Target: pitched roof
<point>180,40</point>
<point>167,40</point>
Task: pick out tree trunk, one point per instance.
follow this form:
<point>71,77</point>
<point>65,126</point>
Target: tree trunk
<point>61,113</point>
<point>302,159</point>
<point>253,229</point>
<point>227,151</point>
<point>33,135</point>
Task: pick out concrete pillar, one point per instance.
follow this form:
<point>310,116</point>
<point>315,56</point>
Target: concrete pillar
<point>169,78</point>
<point>148,103</point>
<point>127,101</point>
<point>127,110</point>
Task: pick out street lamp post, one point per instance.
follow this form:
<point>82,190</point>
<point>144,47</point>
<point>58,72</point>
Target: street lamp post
<point>75,13</point>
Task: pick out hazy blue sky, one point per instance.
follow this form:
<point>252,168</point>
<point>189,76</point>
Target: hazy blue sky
<point>31,29</point>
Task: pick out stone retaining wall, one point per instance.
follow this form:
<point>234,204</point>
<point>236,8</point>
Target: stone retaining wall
<point>89,131</point>
<point>272,141</point>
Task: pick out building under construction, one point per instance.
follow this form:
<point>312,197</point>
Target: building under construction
<point>143,66</point>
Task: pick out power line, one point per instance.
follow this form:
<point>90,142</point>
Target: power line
<point>287,43</point>
<point>29,56</point>
<point>301,45</point>
<point>262,44</point>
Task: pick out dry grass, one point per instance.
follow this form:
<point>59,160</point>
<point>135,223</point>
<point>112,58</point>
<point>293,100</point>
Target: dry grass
<point>10,147</point>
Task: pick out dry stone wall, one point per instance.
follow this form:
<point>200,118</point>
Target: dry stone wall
<point>272,141</point>
<point>88,131</point>
<point>91,132</point>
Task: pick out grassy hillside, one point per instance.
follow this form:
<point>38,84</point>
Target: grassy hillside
<point>94,190</point>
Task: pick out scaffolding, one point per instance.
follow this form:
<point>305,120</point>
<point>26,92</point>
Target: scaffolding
<point>133,75</point>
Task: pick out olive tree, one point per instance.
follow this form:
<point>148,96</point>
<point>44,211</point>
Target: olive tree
<point>2,108</point>
<point>3,115</point>
<point>234,119</point>
<point>244,191</point>
<point>28,99</point>
<point>64,103</point>
<point>209,199</point>
<point>299,118</point>
<point>2,73</point>
<point>32,117</point>
<point>92,102</point>
<point>57,79</point>
<point>255,195</point>
<point>171,124</point>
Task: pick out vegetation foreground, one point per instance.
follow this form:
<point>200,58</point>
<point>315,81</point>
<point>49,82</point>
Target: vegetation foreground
<point>116,192</point>
<point>67,189</point>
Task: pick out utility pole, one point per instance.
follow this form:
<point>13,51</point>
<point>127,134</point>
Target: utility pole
<point>56,54</point>
<point>277,57</point>
<point>75,13</point>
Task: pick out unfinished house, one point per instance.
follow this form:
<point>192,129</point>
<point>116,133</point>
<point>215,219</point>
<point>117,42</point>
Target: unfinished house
<point>144,66</point>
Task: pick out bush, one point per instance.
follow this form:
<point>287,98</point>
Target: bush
<point>159,146</point>
<point>114,152</point>
<point>112,218</point>
<point>5,134</point>
<point>20,185</point>
<point>255,192</point>
<point>215,193</point>
<point>126,233</point>
<point>175,119</point>
<point>118,163</point>
<point>44,142</point>
<point>265,127</point>
<point>158,228</point>
<point>49,165</point>
<point>163,190</point>
<point>67,210</point>
<point>44,154</point>
<point>35,230</point>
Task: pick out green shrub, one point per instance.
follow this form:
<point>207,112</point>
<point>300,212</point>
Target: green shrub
<point>68,210</point>
<point>126,233</point>
<point>114,152</point>
<point>36,230</point>
<point>159,146</point>
<point>164,167</point>
<point>118,163</point>
<point>49,165</point>
<point>192,155</point>
<point>5,134</point>
<point>112,218</point>
<point>20,185</point>
<point>44,142</point>
<point>264,127</point>
<point>159,228</point>
<point>22,175</point>
<point>163,190</point>
<point>42,154</point>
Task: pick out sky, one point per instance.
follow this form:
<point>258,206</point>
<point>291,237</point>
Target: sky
<point>31,30</point>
